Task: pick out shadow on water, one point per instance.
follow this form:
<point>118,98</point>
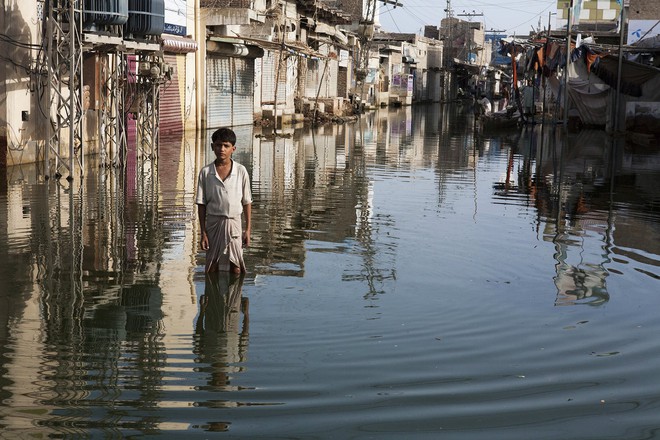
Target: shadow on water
<point>111,328</point>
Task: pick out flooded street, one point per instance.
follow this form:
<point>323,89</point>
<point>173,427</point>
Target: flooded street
<point>407,277</point>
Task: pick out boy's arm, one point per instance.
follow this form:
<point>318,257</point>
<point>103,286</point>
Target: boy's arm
<point>247,212</point>
<point>204,240</point>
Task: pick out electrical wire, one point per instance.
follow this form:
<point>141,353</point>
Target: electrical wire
<point>14,42</point>
<point>393,20</point>
<point>430,12</point>
<point>407,9</point>
<point>536,16</point>
<point>21,144</point>
<point>28,69</point>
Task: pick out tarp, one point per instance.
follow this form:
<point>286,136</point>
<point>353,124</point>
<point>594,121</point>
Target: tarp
<point>590,94</point>
<point>648,43</point>
<point>633,75</point>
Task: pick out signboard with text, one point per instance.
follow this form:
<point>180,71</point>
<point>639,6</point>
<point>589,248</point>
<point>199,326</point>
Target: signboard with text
<point>176,15</point>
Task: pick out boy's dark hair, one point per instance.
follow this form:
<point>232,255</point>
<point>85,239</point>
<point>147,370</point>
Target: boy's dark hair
<point>224,135</point>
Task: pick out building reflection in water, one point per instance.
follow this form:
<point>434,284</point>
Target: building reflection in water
<point>94,296</point>
<point>103,274</point>
<point>569,183</point>
<point>312,191</point>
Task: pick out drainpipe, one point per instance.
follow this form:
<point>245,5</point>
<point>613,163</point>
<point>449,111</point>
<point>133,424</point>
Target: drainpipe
<point>200,79</point>
<point>282,26</point>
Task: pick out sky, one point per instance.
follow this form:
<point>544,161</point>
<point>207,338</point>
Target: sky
<point>512,16</point>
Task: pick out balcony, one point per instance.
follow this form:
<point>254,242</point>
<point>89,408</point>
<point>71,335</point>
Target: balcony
<point>233,12</point>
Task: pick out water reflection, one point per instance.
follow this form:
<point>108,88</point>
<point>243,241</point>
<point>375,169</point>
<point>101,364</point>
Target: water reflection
<point>221,336</point>
<point>582,229</point>
<point>111,328</point>
<point>567,176</point>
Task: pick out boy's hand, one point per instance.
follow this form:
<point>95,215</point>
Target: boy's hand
<point>246,239</point>
<point>204,242</point>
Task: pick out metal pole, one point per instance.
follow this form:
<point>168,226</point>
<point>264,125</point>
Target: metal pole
<point>545,54</point>
<point>617,98</point>
<point>49,54</point>
<point>568,60</point>
<point>72,86</point>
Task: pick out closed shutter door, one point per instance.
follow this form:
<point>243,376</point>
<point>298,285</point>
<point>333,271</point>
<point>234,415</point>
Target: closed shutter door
<point>311,82</point>
<point>268,78</point>
<point>342,82</point>
<point>218,92</point>
<point>331,78</point>
<point>243,87</point>
<point>170,111</point>
<point>285,76</point>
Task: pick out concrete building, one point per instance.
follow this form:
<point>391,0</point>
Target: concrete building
<point>117,91</point>
<point>465,53</point>
<point>410,68</point>
<point>281,60</point>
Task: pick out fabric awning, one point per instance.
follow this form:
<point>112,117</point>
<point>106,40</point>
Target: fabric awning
<point>237,49</point>
<point>176,44</point>
<point>294,48</point>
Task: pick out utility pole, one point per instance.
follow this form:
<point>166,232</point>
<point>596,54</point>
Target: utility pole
<point>66,42</point>
<point>470,15</point>
<point>450,13</point>
<point>366,34</point>
<point>568,60</point>
<point>545,83</point>
<point>65,89</point>
<point>448,51</point>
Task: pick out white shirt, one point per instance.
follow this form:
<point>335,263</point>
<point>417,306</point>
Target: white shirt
<point>485,102</point>
<point>224,198</point>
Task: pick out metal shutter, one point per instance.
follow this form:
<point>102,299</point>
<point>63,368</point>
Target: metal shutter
<point>171,119</point>
<point>230,92</point>
<point>218,92</point>
<point>268,77</point>
<point>311,81</point>
<point>243,88</point>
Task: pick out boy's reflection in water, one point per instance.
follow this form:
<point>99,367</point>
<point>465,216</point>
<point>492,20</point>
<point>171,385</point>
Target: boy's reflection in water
<point>222,338</point>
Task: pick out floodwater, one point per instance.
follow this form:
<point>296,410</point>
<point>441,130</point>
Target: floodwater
<point>407,278</point>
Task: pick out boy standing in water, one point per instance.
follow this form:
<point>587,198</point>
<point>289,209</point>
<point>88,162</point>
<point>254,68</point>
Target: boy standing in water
<point>223,198</point>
